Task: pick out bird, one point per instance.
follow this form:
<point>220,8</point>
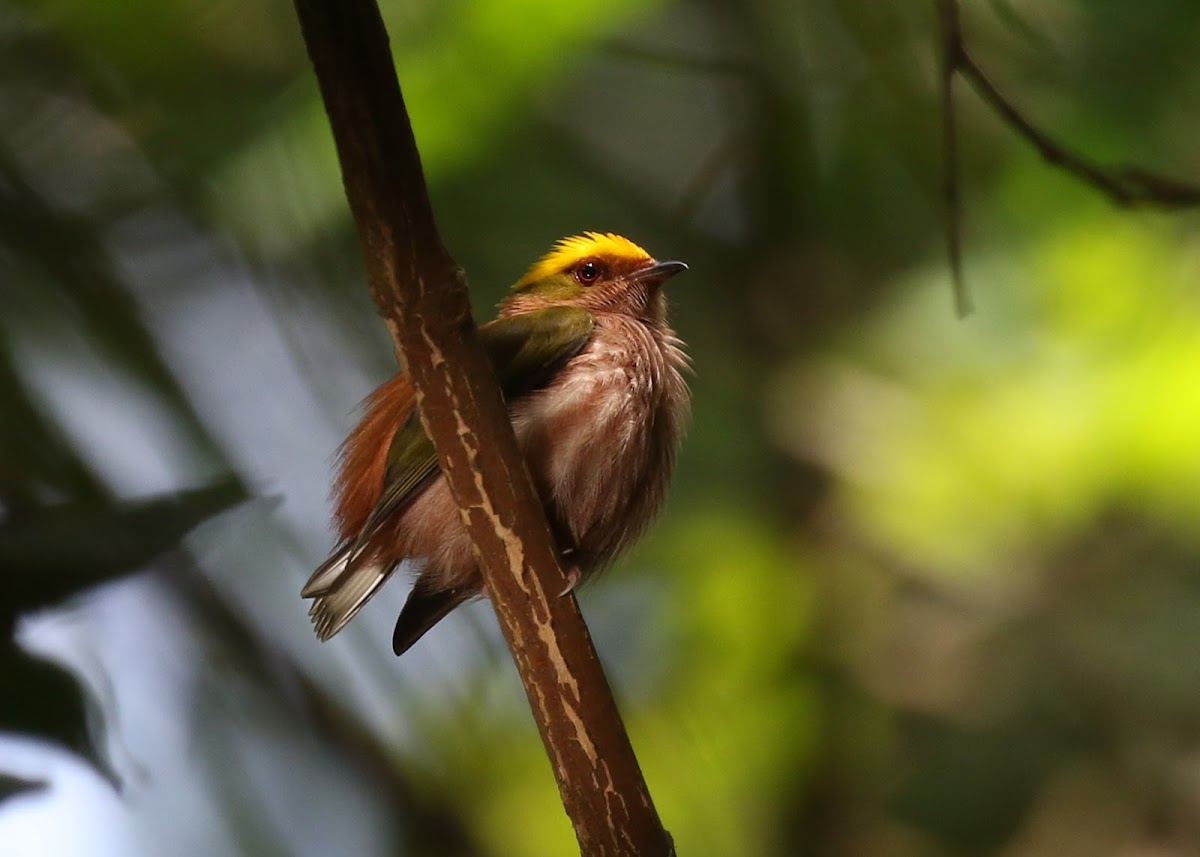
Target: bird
<point>593,380</point>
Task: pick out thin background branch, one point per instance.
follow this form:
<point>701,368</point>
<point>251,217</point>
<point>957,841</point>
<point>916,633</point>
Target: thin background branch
<point>1126,186</point>
<point>952,52</point>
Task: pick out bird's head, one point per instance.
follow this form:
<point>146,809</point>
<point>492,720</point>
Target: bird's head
<point>598,271</point>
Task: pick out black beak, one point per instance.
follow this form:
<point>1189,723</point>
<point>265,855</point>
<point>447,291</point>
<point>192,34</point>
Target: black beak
<point>660,272</point>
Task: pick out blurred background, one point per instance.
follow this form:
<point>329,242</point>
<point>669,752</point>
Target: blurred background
<point>926,585</point>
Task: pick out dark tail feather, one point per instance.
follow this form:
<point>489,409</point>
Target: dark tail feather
<point>421,612</point>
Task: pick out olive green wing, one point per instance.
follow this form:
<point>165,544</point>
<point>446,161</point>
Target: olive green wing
<point>527,349</point>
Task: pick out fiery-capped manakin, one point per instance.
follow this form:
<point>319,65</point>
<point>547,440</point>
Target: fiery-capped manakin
<point>592,377</point>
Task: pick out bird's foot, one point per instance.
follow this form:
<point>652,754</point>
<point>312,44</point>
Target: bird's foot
<point>573,577</point>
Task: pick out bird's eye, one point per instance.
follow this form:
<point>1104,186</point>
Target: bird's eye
<point>588,272</point>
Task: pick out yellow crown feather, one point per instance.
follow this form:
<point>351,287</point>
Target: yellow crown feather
<point>570,251</point>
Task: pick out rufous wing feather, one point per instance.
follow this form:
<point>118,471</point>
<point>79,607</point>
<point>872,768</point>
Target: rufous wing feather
<point>363,458</point>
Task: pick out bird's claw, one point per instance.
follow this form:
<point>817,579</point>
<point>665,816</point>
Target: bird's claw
<point>573,576</point>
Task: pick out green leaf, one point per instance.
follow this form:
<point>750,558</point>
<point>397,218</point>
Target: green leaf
<point>42,700</point>
<point>50,554</point>
<point>11,786</point>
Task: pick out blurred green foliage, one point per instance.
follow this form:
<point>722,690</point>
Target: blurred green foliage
<point>926,586</point>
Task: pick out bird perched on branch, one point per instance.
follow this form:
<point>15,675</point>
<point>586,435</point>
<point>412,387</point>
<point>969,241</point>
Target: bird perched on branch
<point>591,374</point>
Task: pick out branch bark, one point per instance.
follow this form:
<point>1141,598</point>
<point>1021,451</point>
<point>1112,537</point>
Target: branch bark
<point>421,294</point>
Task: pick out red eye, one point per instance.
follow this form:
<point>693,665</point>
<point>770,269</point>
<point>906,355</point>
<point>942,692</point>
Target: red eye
<point>588,272</point>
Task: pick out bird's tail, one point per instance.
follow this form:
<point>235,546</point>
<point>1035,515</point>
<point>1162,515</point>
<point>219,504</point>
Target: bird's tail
<point>423,610</point>
<point>341,586</point>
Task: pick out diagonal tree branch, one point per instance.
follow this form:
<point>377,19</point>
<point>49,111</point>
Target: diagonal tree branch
<point>1126,186</point>
<point>421,293</point>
